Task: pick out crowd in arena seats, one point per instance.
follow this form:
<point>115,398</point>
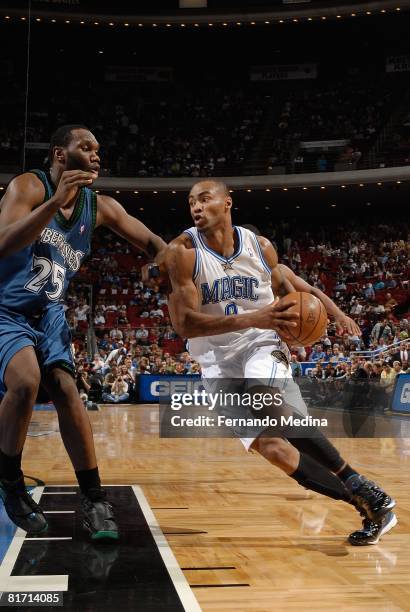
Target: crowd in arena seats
<point>217,131</point>
<point>366,271</point>
<point>326,114</point>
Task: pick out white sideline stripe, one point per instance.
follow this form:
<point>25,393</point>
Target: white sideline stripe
<point>60,493</point>
<point>59,511</point>
<point>181,585</point>
<point>48,539</point>
<point>27,583</point>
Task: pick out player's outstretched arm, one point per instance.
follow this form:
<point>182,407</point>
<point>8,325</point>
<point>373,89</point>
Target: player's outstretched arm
<point>111,214</point>
<point>23,214</point>
<point>184,307</point>
<point>342,320</point>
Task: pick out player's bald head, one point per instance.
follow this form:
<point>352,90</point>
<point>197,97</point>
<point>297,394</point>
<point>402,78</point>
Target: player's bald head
<point>211,185</point>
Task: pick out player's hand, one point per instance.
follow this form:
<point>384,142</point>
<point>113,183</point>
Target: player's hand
<point>70,182</point>
<point>277,316</point>
<point>343,323</point>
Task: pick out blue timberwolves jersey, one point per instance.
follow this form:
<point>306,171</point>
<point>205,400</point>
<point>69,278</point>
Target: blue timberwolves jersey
<point>39,274</point>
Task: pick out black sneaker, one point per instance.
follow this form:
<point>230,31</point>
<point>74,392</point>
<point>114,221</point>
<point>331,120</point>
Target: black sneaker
<point>98,517</point>
<point>372,531</point>
<point>21,507</point>
<point>370,498</point>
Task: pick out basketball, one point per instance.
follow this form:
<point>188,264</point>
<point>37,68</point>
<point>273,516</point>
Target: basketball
<point>313,318</point>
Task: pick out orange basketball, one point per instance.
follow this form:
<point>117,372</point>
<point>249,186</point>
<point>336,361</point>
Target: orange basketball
<point>313,319</point>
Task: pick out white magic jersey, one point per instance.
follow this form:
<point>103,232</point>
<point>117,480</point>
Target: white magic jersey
<point>231,285</point>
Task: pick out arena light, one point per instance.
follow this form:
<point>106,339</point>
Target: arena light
<point>310,19</point>
<point>238,23</point>
<point>210,25</point>
<point>231,191</point>
<point>295,20</point>
<point>280,21</point>
<point>249,190</point>
<point>173,191</point>
<point>343,186</point>
<point>7,17</point>
<point>267,189</point>
<point>368,203</point>
<point>23,18</point>
<point>368,12</point>
<point>126,25</point>
<point>353,14</point>
<point>96,23</point>
<point>1,188</point>
<point>168,25</point>
<point>140,25</point>
<point>100,51</point>
<point>324,17</point>
<point>322,187</point>
<point>196,25</point>
<point>267,207</point>
<point>380,184</point>
<point>68,21</point>
<point>297,206</point>
<point>398,182</point>
<point>155,192</point>
<point>82,22</point>
<point>333,205</point>
<point>304,188</point>
<point>53,21</point>
<point>111,23</point>
<point>38,19</point>
<point>338,16</point>
<point>383,11</point>
<point>182,25</point>
<point>136,192</point>
<point>267,21</point>
<point>141,208</point>
<point>117,191</point>
<point>154,25</point>
<point>361,185</point>
<point>398,9</point>
<point>285,189</point>
<point>224,24</point>
<point>253,22</point>
<point>96,191</point>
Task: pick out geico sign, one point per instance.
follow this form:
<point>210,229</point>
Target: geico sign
<point>405,394</point>
<point>165,388</point>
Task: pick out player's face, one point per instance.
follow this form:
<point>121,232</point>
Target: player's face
<point>82,152</point>
<point>209,205</point>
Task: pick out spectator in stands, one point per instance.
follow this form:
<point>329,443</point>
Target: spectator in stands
<point>295,366</point>
<point>141,334</point>
<point>116,334</point>
<point>81,311</point>
<point>317,353</point>
<point>118,391</point>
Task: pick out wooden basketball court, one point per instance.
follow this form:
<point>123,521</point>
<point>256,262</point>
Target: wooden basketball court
<point>246,536</point>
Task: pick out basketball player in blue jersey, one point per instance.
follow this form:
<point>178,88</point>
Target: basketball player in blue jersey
<point>46,224</point>
<point>223,281</point>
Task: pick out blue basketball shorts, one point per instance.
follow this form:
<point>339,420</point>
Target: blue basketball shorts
<point>48,333</point>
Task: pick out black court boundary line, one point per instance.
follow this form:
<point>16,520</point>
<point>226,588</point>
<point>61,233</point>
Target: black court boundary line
<point>181,585</point>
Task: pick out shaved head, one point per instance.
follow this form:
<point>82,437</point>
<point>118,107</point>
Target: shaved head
<point>215,184</point>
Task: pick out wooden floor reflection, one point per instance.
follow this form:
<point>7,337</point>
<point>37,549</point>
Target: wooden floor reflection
<point>246,536</point>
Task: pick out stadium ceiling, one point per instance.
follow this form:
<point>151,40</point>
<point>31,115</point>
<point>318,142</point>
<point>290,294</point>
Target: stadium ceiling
<point>239,13</point>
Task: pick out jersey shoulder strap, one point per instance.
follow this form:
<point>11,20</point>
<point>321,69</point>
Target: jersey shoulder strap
<point>48,188</point>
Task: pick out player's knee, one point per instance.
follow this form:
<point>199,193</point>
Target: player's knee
<point>274,450</point>
<point>63,386</point>
<point>25,389</point>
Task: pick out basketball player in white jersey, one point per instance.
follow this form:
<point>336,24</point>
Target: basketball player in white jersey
<point>223,282</point>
